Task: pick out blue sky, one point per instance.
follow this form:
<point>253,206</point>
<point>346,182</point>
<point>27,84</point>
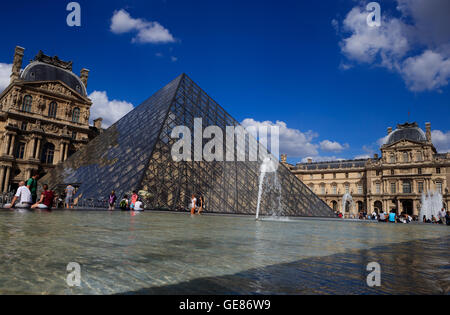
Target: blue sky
<point>333,85</point>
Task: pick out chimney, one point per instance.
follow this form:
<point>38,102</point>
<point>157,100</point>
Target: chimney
<point>84,76</point>
<point>389,130</point>
<point>98,123</point>
<point>310,161</point>
<point>428,129</point>
<point>284,158</point>
<point>17,64</point>
<point>375,156</point>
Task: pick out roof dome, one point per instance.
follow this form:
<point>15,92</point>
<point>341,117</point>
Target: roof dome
<point>407,132</point>
<point>39,71</point>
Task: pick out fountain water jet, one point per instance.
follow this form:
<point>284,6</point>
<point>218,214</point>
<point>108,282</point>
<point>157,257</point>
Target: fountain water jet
<point>274,186</point>
<point>347,198</point>
<point>431,205</point>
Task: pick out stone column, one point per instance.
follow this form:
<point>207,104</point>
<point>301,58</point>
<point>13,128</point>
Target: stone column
<point>13,143</point>
<point>6,144</point>
<point>61,152</point>
<point>8,174</point>
<point>2,177</point>
<point>38,148</point>
<point>66,151</point>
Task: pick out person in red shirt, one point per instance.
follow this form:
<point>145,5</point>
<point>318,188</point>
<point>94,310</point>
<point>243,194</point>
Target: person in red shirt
<point>46,201</point>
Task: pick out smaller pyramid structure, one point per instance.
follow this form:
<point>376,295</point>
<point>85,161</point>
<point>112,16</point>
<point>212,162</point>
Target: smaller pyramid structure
<point>135,155</point>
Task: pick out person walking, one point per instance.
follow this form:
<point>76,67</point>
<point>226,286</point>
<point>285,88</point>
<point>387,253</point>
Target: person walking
<point>23,195</point>
<point>112,201</point>
<point>70,191</point>
<point>32,185</point>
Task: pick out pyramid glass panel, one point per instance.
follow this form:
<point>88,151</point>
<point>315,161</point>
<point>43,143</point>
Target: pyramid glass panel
<point>135,154</point>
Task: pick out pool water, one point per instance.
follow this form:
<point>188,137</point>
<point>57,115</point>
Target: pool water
<point>173,253</point>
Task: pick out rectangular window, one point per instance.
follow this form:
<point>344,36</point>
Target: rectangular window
<point>420,187</point>
<point>419,171</point>
<point>378,188</point>
<point>360,189</point>
<point>347,189</point>
<point>438,170</point>
<point>407,187</point>
<point>439,187</point>
<point>20,151</point>
<point>323,190</point>
<point>393,188</point>
<point>24,126</point>
<point>334,190</point>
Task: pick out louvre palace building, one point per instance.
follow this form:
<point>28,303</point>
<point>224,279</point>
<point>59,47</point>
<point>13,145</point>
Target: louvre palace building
<point>408,167</point>
<point>44,118</point>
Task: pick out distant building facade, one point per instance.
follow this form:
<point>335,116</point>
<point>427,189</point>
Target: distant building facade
<point>408,167</point>
<point>44,117</point>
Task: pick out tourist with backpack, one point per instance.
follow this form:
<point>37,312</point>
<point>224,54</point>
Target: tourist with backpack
<point>124,203</point>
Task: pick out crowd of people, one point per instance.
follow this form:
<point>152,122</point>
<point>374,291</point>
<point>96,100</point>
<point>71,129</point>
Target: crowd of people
<point>26,198</point>
<point>393,217</point>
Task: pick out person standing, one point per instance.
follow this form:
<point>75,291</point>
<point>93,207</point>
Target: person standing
<point>70,191</point>
<point>200,204</point>
<point>193,204</point>
<point>442,215</point>
<point>112,201</point>
<point>134,199</point>
<point>32,186</point>
<point>23,195</point>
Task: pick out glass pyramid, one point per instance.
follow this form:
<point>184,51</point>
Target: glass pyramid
<point>135,154</point>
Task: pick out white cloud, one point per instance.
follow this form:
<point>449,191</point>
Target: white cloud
<point>441,140</point>
<point>429,71</point>
<point>293,142</point>
<point>416,45</point>
<point>330,146</point>
<point>110,110</point>
<point>298,144</point>
<point>5,73</point>
<point>174,59</point>
<point>147,32</point>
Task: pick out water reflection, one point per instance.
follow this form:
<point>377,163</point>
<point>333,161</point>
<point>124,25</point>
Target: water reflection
<point>175,254</point>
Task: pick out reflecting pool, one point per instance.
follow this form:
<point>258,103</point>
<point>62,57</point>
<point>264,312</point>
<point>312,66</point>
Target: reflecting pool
<point>172,253</point>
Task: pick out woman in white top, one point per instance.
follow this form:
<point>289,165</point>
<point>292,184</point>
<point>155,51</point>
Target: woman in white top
<point>193,204</point>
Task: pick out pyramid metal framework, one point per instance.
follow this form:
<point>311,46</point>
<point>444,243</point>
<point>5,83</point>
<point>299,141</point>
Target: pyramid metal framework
<point>135,154</point>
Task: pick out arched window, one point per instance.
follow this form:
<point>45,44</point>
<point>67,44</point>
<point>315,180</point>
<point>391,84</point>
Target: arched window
<point>26,106</point>
<point>52,110</point>
<point>48,153</point>
<point>76,115</point>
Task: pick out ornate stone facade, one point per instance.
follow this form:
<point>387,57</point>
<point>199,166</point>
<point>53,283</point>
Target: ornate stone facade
<point>409,166</point>
<point>44,118</point>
